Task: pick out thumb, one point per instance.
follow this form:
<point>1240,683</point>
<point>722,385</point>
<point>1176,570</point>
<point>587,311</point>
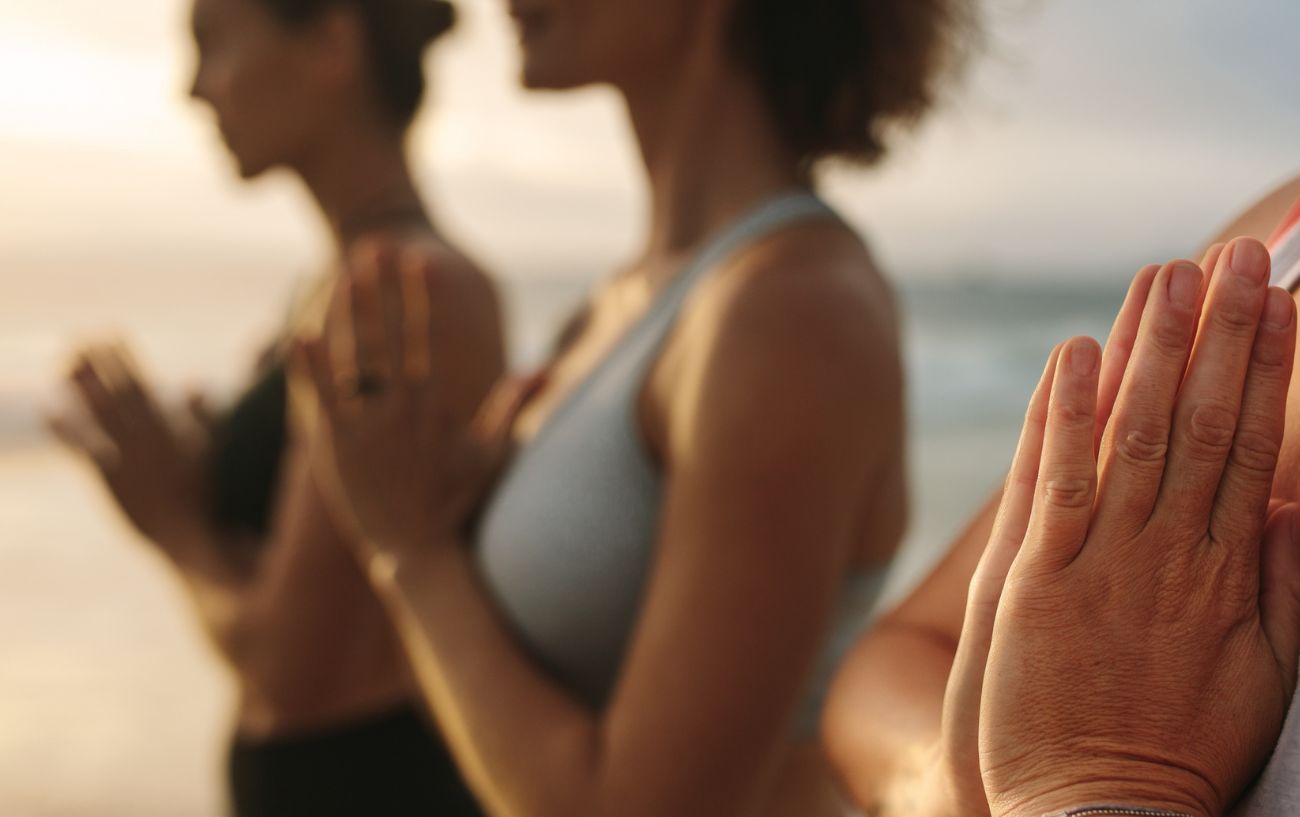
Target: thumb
<point>495,420</point>
<point>1279,601</point>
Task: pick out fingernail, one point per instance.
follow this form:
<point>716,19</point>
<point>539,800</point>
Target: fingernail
<point>1184,285</point>
<point>1249,259</point>
<point>1277,309</point>
<point>1084,359</point>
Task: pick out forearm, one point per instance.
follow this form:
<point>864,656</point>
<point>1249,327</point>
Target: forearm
<point>217,588</point>
<point>527,748</point>
<point>883,726</point>
<point>886,732</point>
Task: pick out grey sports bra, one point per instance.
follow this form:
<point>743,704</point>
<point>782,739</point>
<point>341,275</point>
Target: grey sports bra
<point>566,541</point>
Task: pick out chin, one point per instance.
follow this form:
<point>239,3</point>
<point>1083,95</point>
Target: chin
<point>249,168</point>
<point>248,172</point>
<point>541,74</point>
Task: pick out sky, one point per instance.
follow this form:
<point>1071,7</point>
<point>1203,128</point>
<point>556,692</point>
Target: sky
<point>1091,136</point>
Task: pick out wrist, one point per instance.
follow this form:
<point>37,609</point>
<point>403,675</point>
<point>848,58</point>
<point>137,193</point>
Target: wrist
<point>1127,799</point>
<point>1056,785</point>
<point>925,784</point>
<point>405,570</point>
<point>1118,810</point>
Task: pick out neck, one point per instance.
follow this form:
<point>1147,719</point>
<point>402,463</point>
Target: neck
<point>710,148</point>
<point>362,183</point>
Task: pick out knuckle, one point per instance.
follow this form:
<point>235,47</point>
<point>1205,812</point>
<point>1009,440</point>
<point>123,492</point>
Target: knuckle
<point>1255,452</point>
<point>1171,335</point>
<point>1269,358</point>
<point>1211,428</point>
<point>1143,446</point>
<point>1067,492</point>
<point>1036,414</point>
<point>1234,320</point>
<point>1068,416</point>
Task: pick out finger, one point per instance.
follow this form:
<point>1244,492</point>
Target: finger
<point>135,403</point>
<point>1136,441</point>
<point>312,359</point>
<point>1119,345</point>
<point>390,286</point>
<point>418,335</point>
<point>1209,265</point>
<point>1241,504</point>
<point>338,335</point>
<point>1279,601</point>
<point>966,679</point>
<point>1209,405</point>
<point>129,405</point>
<point>1012,520</point>
<point>495,420</point>
<point>83,440</point>
<point>88,383</point>
<point>440,337</point>
<point>1067,478</point>
<point>367,312</point>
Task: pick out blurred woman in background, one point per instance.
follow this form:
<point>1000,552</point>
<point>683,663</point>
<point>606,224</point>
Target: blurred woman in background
<point>709,484</point>
<point>328,721</point>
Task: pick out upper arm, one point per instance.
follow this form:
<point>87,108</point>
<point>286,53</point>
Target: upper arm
<point>772,436</point>
<point>1261,219</point>
<point>936,608</point>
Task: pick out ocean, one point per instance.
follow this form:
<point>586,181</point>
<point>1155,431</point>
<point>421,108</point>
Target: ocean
<point>111,704</point>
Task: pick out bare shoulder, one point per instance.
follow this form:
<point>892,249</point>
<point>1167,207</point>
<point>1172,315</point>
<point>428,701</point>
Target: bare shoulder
<point>793,343</point>
<point>466,311</point>
<point>808,294</point>
<point>1262,218</point>
<point>468,290</point>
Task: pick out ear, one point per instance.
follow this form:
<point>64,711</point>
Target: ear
<point>338,44</point>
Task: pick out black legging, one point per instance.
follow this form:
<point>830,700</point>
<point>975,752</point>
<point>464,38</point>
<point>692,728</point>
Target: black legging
<point>390,765</point>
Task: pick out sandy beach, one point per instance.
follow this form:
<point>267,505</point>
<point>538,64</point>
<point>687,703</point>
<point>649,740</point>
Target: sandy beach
<point>110,702</point>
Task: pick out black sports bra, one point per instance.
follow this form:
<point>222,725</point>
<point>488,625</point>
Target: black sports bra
<point>248,444</point>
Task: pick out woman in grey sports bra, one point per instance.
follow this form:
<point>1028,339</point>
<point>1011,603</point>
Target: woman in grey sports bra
<point>708,485</point>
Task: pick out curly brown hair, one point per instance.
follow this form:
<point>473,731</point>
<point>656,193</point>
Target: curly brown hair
<point>841,75</point>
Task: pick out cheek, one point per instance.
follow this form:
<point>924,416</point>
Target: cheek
<point>610,41</point>
<point>251,84</point>
<point>266,104</point>
<point>644,39</point>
